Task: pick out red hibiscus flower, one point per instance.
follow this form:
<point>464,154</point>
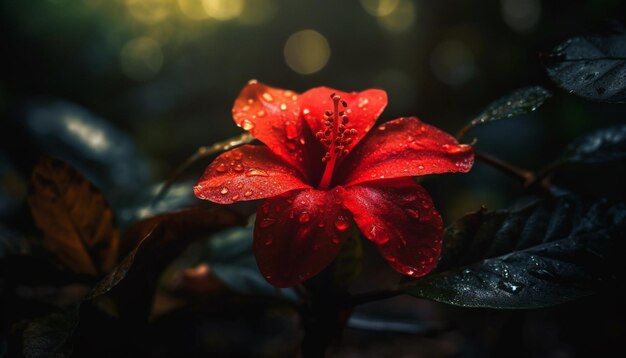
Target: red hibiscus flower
<point>321,169</point>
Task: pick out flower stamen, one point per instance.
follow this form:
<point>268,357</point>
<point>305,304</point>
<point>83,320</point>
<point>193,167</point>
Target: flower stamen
<point>336,137</point>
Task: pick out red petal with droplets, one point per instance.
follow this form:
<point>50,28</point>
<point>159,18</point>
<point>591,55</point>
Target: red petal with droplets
<point>363,109</point>
<point>404,147</point>
<point>272,116</point>
<point>399,217</point>
<point>298,234</point>
<point>247,173</point>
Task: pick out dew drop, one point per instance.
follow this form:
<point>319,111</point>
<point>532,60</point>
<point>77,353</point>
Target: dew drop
<point>268,97</point>
<point>425,206</point>
<point>304,218</point>
<point>461,148</point>
<point>283,107</point>
<point>335,240</point>
<point>247,125</point>
<point>237,155</point>
<point>246,108</point>
<point>247,193</point>
<point>379,235</point>
<point>221,168</point>
<point>413,214</point>
<point>224,191</point>
<point>363,102</point>
<point>342,223</point>
<point>238,168</point>
<point>260,113</point>
<point>240,186</point>
<point>235,197</point>
<point>420,167</point>
<point>287,93</point>
<point>291,131</point>
<point>382,127</point>
<point>321,224</point>
<point>302,141</point>
<point>256,173</point>
<point>266,222</point>
<point>306,111</point>
<point>268,242</point>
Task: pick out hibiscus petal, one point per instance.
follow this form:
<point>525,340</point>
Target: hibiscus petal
<point>298,234</point>
<point>399,217</point>
<point>272,116</point>
<point>247,173</point>
<point>363,108</point>
<point>404,147</point>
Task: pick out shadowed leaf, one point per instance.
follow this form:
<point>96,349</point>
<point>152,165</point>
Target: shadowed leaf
<point>606,144</point>
<point>46,336</point>
<point>519,102</point>
<point>539,254</point>
<point>592,66</point>
<point>74,217</point>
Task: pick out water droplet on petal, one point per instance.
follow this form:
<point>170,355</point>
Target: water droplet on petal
<point>382,127</point>
<point>342,223</point>
<point>304,218</point>
<point>461,148</point>
<point>268,97</point>
<point>247,193</point>
<point>235,197</point>
<point>240,186</point>
<point>283,107</point>
<point>224,191</point>
<point>268,242</point>
<point>221,168</point>
<point>290,130</point>
<point>412,213</point>
<point>266,222</point>
<point>238,168</point>
<point>363,102</point>
<point>247,125</point>
<point>237,155</point>
<point>335,240</point>
<point>420,167</point>
<point>256,173</point>
<point>306,111</point>
<point>321,224</point>
<point>260,113</point>
<point>378,234</point>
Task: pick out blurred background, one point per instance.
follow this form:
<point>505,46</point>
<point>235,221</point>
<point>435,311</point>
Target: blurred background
<point>136,86</point>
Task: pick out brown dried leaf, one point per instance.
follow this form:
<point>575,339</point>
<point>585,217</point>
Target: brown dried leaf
<point>76,221</point>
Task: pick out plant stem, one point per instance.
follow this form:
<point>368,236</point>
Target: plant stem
<point>525,176</point>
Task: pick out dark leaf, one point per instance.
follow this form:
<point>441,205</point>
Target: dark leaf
<point>519,102</point>
<point>592,66</point>
<point>539,254</point>
<point>179,195</point>
<point>46,336</point>
<point>74,217</point>
<point>349,262</point>
<point>106,155</point>
<point>382,324</point>
<point>229,258</point>
<point>606,144</point>
<point>157,241</point>
<point>116,311</point>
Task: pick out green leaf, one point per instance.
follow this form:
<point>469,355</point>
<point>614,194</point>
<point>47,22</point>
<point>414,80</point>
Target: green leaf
<point>607,144</point>
<point>519,102</point>
<point>539,254</point>
<point>592,66</point>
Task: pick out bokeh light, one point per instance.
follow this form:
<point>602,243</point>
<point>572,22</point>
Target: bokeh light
<point>452,62</point>
<point>400,19</point>
<point>521,15</point>
<point>149,11</point>
<point>193,9</point>
<point>223,9</point>
<point>141,58</point>
<point>306,52</point>
<point>256,12</point>
<point>379,7</point>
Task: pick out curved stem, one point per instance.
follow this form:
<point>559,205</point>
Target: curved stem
<point>525,176</point>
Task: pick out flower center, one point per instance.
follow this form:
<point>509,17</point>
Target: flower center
<point>335,137</point>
